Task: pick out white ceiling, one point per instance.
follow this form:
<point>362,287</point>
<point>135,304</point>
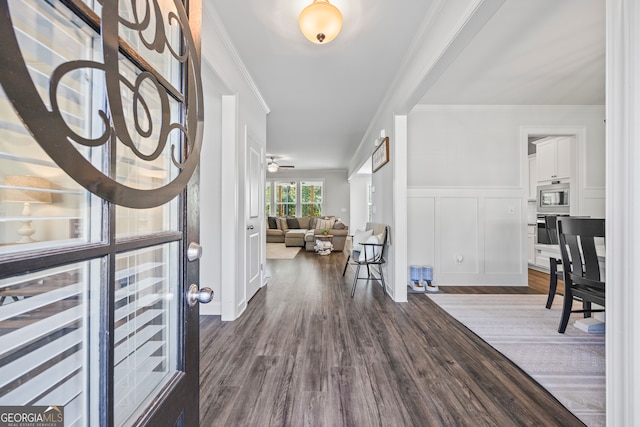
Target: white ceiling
<point>323,97</point>
<point>532,52</point>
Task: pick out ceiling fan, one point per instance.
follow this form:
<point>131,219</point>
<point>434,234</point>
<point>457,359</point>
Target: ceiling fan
<point>272,166</point>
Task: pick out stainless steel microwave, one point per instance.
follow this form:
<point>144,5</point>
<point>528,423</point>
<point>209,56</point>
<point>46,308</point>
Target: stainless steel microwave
<point>553,198</point>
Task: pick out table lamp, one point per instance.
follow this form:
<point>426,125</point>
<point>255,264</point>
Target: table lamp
<point>26,189</point>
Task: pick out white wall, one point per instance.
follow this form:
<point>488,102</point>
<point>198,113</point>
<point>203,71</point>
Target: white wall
<point>223,165</point>
<point>210,194</point>
<point>359,195</point>
<point>438,43</point>
<point>336,188</point>
<point>468,186</point>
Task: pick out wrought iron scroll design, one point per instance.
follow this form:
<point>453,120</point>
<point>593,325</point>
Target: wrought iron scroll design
<point>54,135</point>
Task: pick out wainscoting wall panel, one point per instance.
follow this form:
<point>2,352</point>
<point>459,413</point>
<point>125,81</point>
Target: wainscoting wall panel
<point>421,217</point>
<point>458,229</point>
<point>503,235</point>
<point>485,227</point>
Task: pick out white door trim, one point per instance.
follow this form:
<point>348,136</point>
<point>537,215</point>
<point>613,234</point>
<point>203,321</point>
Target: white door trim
<point>623,211</point>
<point>399,232</point>
<point>229,212</point>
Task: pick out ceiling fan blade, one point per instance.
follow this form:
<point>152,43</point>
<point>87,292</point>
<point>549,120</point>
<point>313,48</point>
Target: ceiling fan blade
<point>285,166</point>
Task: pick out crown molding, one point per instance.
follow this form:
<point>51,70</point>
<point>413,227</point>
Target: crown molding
<point>440,107</point>
<point>211,15</point>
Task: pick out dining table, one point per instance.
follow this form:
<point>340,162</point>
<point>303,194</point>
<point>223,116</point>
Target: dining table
<point>553,251</point>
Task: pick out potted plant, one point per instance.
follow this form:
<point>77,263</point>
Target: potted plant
<point>325,231</point>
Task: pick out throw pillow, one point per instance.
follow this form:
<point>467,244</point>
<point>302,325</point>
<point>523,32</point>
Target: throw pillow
<point>303,222</point>
<point>282,222</point>
<point>293,224</point>
<point>359,238</point>
<point>273,224</point>
<point>321,224</point>
<point>339,225</point>
<point>370,252</point>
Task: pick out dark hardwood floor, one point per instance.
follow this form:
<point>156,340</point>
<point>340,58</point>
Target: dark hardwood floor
<point>305,353</point>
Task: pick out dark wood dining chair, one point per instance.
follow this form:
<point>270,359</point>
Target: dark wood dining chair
<point>576,237</point>
<point>555,264</point>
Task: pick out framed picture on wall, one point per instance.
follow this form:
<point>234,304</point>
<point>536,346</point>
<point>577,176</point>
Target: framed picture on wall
<point>380,155</point>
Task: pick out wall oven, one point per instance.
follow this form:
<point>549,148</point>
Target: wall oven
<point>553,199</point>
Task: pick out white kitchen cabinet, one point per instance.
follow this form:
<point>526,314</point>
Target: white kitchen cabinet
<point>553,158</point>
<point>531,243</point>
<point>533,177</point>
<point>563,157</point>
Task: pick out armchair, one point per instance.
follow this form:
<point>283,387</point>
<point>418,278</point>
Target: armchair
<point>372,253</point>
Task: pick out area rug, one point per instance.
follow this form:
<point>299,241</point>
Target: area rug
<point>571,366</point>
<point>280,251</point>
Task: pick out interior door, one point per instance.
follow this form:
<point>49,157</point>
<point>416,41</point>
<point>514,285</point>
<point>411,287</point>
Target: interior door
<point>99,149</point>
<point>255,192</point>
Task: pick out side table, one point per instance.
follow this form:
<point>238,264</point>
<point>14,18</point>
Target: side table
<point>324,244</point>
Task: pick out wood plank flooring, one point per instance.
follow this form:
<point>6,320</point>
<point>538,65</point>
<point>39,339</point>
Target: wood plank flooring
<point>307,354</point>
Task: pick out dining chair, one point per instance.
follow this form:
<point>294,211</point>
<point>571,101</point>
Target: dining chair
<point>555,264</point>
<point>576,238</point>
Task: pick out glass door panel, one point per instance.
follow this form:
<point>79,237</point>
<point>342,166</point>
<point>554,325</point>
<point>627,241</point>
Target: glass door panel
<point>49,335</point>
<point>40,205</point>
<point>132,13</point>
<point>156,169</point>
<point>145,327</point>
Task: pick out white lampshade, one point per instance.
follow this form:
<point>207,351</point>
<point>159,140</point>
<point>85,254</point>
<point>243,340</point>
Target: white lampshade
<point>320,22</point>
<point>26,189</point>
<point>32,189</point>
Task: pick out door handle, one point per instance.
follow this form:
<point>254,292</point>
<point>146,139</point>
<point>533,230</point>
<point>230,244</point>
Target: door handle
<point>196,295</point>
<point>250,227</point>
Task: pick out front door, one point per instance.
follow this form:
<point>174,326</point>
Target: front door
<point>100,136</point>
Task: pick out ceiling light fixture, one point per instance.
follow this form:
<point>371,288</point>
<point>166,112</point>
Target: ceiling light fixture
<point>272,166</point>
<point>320,22</point>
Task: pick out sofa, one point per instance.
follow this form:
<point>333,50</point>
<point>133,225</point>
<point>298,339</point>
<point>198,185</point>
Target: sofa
<point>302,231</point>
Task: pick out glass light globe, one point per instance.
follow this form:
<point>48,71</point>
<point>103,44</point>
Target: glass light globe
<point>272,167</point>
<point>320,22</point>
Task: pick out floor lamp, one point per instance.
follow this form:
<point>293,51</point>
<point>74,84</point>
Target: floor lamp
<point>26,189</point>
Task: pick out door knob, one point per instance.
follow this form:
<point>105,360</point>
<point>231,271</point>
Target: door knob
<point>250,227</point>
<point>197,295</point>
